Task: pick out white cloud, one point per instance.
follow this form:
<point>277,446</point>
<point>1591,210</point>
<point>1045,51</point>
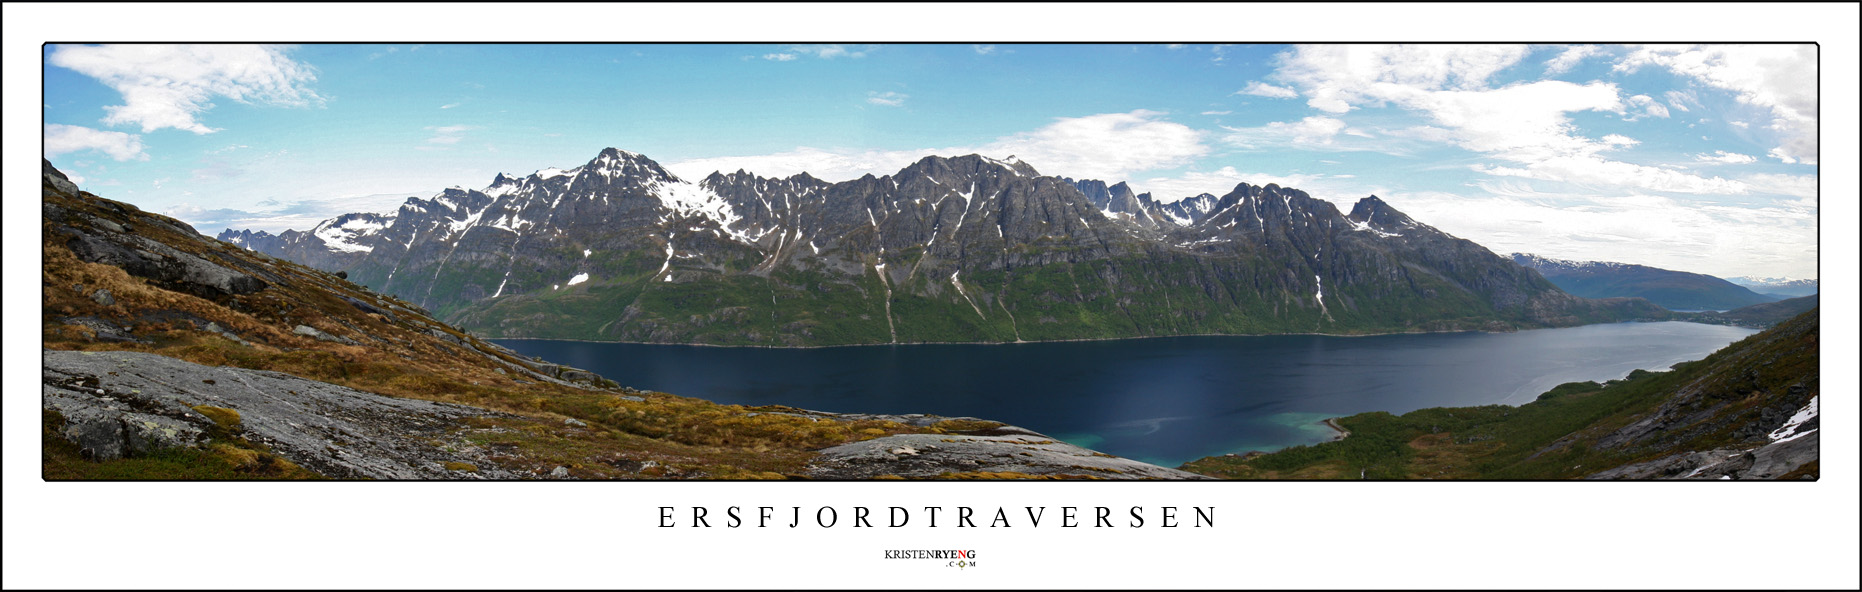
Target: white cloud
<point>1569,59</point>
<point>984,49</point>
<point>888,98</point>
<point>1217,112</point>
<point>1221,52</point>
<point>1649,107</point>
<point>447,134</point>
<point>1337,77</point>
<point>1681,99</point>
<point>1262,89</point>
<point>780,57</point>
<point>830,51</point>
<point>1782,155</point>
<point>1800,186</point>
<point>1311,131</point>
<point>1599,173</point>
<point>63,139</point>
<point>449,105</point>
<point>1108,146</point>
<point>1104,146</point>
<point>1781,78</point>
<point>1724,157</point>
<point>167,86</point>
<point>1620,140</point>
<point>1526,124</point>
<point>1739,124</point>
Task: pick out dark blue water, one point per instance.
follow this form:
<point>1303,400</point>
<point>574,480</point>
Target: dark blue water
<point>1166,400</point>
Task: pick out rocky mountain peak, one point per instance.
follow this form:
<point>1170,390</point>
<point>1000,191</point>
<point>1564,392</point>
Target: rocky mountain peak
<point>1379,215</point>
<point>617,163</point>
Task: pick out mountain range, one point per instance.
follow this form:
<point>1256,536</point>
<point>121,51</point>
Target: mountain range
<point>1781,287</point>
<point>169,355</point>
<point>1673,290</point>
<point>963,249</point>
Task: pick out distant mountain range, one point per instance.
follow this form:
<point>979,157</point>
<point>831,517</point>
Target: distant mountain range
<point>1782,287</point>
<point>1673,290</point>
<point>946,250</point>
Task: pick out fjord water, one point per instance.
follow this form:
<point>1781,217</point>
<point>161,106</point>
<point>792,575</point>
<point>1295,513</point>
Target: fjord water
<point>1162,400</point>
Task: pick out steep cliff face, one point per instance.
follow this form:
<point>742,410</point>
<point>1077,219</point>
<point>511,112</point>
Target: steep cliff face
<point>948,249</point>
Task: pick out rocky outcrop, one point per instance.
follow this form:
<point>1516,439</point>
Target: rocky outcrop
<point>1770,461</point>
<point>917,456</point>
<point>1000,449</point>
<point>118,404</point>
<point>161,263</point>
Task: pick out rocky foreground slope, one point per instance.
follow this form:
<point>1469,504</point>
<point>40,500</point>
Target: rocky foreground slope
<point>963,249</point>
<point>171,355</point>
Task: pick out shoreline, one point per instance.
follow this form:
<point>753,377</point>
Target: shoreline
<point>1084,339</point>
<point>1340,431</point>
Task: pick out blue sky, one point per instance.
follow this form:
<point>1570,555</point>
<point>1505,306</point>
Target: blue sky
<point>1699,158</point>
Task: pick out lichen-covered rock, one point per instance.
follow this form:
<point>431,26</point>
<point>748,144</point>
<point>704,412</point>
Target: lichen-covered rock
<point>1004,449</point>
<point>160,263</point>
<point>102,330</point>
<point>118,404</point>
<point>57,178</point>
<point>313,332</point>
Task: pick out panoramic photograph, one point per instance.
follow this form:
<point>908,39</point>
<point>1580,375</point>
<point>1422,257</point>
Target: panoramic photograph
<point>930,261</point>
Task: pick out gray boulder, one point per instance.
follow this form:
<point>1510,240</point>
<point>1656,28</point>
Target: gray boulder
<point>57,178</point>
<point>1004,449</point>
<point>118,404</point>
<point>160,263</point>
<point>309,331</point>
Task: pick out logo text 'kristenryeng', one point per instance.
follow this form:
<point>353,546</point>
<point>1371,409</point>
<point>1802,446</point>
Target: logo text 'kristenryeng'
<point>937,517</point>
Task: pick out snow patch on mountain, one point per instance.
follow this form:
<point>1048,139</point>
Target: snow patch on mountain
<point>1788,431</point>
<point>1366,227</point>
<point>551,173</point>
<point>342,233</point>
<point>691,200</point>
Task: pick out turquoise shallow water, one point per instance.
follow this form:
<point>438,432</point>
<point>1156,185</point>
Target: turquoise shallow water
<point>1165,400</point>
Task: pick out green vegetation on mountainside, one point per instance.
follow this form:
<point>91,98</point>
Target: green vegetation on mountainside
<point>1095,299</point>
<point>1557,436</point>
